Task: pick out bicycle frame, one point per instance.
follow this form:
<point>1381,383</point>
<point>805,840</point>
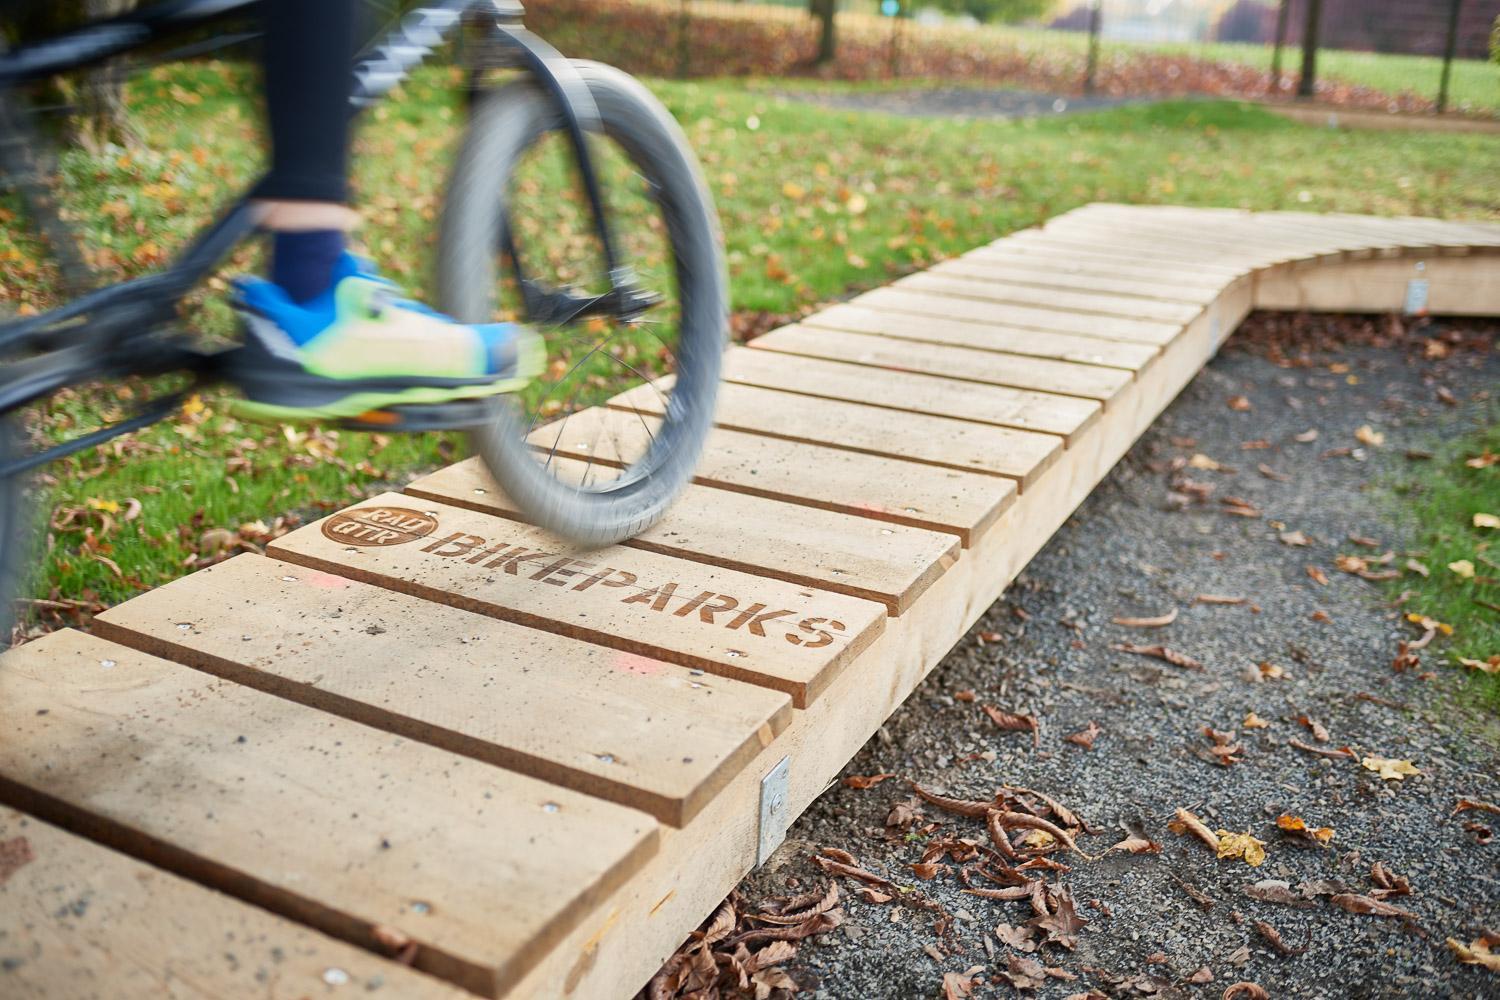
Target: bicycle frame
<point>109,332</point>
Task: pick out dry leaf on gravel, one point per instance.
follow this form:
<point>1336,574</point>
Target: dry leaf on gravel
<point>1489,666</point>
<point>1186,822</point>
<point>1217,599</point>
<point>1340,752</point>
<point>1466,804</point>
<point>1387,882</point>
<point>1389,768</point>
<point>1273,937</point>
<point>1024,973</point>
<point>1013,722</point>
<point>1315,727</point>
<point>1253,721</point>
<point>962,807</point>
<point>1295,538</point>
<point>1318,576</point>
<point>1159,652</point>
<point>1086,736</point>
<point>1478,951</point>
<point>1019,938</point>
<point>1273,890</point>
<point>1356,903</point>
<point>1241,845</point>
<point>1297,826</point>
<point>961,985</point>
<point>1245,991</point>
<point>1272,474</point>
<point>1239,403</point>
<point>862,781</point>
<point>1059,920</point>
<point>1223,750</point>
<point>1134,844</point>
<point>1156,621</point>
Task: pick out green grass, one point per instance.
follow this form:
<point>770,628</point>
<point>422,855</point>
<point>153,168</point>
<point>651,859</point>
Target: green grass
<point>814,203</point>
<point>1441,502</point>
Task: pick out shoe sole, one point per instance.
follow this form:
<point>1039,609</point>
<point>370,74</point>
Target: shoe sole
<point>341,401</point>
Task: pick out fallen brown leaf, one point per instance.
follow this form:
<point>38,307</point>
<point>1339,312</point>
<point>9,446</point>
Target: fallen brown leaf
<point>1318,576</point>
<point>1086,736</point>
<point>1478,951</point>
<point>1217,599</point>
<point>1134,844</point>
<point>1356,903</point>
<point>1295,538</point>
<point>1315,727</point>
<point>1024,973</point>
<point>1273,890</point>
<point>1157,621</point>
<point>1465,804</point>
<point>1159,652</point>
<point>859,781</point>
<point>1019,938</point>
<point>1297,826</point>
<point>1186,822</point>
<point>1013,722</point>
<point>1273,937</point>
<point>1245,991</point>
<point>1340,752</point>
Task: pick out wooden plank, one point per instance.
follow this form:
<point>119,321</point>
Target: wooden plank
<point>1029,273</point>
<point>1030,317</point>
<point>885,489</point>
<point>858,556</point>
<point>898,391</point>
<point>647,734</point>
<point>985,337</point>
<point>1002,259</point>
<point>1456,286</point>
<point>778,635</point>
<point>915,437</point>
<point>1053,249</point>
<point>1229,238</point>
<point>337,825</point>
<point>1092,301</point>
<point>985,367</point>
<point>81,922</point>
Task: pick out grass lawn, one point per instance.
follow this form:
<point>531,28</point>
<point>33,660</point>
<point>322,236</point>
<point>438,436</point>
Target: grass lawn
<point>814,202</point>
<point>1461,555</point>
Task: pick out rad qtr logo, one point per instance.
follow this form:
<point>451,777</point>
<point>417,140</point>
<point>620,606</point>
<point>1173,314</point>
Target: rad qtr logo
<point>379,526</point>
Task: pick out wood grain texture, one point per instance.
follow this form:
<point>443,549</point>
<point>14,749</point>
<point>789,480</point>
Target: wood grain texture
<point>82,922</point>
<point>985,337</point>
<point>1091,301</point>
<point>987,368</point>
<point>333,824</point>
<point>857,556</point>
<point>915,437</point>
<point>647,734</point>
<point>731,624</point>
<point>1173,284</point>
<point>1136,331</point>
<point>874,486</point>
<point>1019,409</point>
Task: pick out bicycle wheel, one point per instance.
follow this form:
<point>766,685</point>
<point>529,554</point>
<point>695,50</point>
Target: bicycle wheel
<point>597,449</point>
<point>14,524</point>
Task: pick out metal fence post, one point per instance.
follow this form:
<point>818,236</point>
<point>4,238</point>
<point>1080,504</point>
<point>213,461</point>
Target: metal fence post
<point>684,48</point>
<point>1449,50</point>
<point>1306,85</point>
<point>1281,17</point>
<point>1096,13</point>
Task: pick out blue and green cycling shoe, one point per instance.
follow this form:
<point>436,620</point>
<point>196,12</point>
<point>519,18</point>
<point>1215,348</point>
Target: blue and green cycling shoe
<point>360,347</point>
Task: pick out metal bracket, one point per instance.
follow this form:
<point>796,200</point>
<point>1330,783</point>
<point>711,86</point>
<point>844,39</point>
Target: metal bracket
<point>1415,303</point>
<point>775,810</point>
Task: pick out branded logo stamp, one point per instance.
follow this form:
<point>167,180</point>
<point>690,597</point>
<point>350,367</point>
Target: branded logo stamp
<point>376,526</point>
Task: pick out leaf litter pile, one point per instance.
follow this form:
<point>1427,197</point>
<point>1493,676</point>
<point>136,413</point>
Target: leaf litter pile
<point>1021,885</point>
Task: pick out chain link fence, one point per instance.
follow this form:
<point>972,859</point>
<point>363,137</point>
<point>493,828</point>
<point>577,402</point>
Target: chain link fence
<point>1412,55</point>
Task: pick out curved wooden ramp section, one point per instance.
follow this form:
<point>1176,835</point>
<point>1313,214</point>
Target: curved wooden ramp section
<point>421,734</point>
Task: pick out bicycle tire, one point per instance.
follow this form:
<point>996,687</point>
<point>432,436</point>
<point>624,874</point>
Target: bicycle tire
<point>14,526</point>
<point>505,122</point>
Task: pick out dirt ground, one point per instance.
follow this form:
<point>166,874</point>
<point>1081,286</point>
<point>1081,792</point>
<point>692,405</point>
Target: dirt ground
<point>1154,536</point>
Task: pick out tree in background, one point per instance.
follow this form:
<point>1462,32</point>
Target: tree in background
<point>824,11</point>
<point>1247,21</point>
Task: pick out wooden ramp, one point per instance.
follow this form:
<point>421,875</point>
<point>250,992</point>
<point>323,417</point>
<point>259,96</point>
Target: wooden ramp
<point>419,748</point>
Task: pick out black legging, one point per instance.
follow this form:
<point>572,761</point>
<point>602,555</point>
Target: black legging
<point>309,47</point>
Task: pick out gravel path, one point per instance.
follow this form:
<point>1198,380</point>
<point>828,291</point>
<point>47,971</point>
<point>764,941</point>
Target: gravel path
<point>956,102</point>
<point>1045,649</point>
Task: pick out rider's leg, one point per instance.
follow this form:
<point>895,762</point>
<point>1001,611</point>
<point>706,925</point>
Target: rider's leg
<point>328,338</point>
<point>308,49</point>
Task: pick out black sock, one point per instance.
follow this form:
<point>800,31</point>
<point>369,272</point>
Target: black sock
<point>302,262</point>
